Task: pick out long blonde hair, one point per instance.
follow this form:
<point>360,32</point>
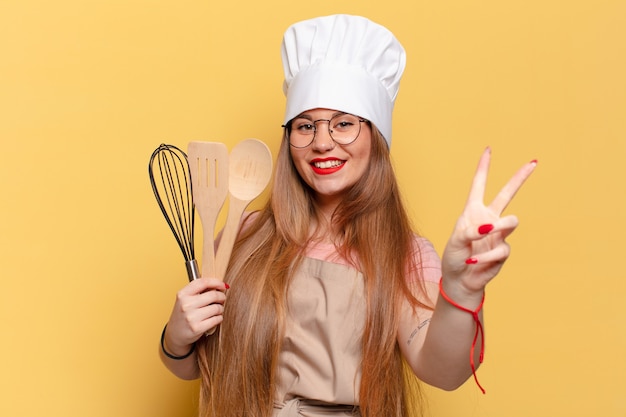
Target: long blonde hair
<point>238,364</point>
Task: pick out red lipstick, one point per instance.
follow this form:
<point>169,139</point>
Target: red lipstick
<point>326,166</point>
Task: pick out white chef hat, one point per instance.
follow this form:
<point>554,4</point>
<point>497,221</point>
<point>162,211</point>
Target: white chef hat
<point>342,62</point>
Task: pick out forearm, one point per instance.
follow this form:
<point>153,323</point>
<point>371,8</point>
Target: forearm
<point>451,340</point>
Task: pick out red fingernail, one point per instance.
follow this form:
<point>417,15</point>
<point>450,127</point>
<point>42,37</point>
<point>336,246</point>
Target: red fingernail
<point>226,286</point>
<point>534,161</point>
<point>471,261</point>
<point>485,228</point>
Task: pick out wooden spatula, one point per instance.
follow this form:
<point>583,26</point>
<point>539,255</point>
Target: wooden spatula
<point>208,165</point>
<point>250,169</point>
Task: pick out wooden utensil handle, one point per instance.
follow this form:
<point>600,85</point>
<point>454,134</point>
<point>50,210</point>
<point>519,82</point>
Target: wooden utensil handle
<point>208,257</point>
<point>229,235</point>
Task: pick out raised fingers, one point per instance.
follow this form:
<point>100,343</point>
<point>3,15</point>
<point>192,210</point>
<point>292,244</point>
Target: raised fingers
<point>477,192</point>
<point>506,194</point>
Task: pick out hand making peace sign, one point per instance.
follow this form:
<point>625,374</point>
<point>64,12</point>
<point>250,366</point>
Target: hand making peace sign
<point>477,249</point>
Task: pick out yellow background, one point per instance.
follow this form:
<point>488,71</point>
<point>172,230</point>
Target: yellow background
<point>89,269</point>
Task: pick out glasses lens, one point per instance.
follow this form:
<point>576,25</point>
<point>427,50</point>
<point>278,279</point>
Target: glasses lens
<point>301,133</point>
<point>344,128</point>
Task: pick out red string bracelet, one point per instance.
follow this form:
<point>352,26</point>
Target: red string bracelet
<point>479,330</point>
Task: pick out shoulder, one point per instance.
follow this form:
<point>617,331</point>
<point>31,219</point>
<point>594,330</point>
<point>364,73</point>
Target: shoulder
<point>425,260</point>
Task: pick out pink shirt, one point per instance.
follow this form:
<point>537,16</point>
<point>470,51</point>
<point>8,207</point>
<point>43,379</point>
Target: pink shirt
<point>428,260</point>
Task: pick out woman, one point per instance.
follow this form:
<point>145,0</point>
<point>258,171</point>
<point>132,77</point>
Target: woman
<point>334,304</point>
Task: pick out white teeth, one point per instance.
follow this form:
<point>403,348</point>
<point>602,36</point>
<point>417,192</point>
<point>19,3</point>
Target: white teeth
<point>328,164</point>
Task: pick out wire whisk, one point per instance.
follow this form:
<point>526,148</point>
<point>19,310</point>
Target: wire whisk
<point>171,183</point>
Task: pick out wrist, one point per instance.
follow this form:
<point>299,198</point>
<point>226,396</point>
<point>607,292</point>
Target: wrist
<point>467,297</point>
<point>174,353</point>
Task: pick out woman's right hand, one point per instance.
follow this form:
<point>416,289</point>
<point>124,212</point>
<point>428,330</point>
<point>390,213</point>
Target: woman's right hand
<point>198,309</point>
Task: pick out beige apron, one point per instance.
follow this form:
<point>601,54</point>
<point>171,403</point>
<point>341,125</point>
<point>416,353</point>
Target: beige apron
<point>319,365</point>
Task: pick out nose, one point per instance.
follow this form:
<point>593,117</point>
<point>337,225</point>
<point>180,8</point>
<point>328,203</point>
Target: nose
<point>323,142</point>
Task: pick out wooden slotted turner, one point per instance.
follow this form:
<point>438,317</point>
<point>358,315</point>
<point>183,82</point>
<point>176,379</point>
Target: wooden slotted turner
<point>208,165</point>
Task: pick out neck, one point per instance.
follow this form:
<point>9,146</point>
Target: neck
<point>322,227</point>
<point>326,205</point>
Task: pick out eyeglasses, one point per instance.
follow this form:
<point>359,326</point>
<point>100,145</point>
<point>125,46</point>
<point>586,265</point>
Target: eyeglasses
<point>343,128</point>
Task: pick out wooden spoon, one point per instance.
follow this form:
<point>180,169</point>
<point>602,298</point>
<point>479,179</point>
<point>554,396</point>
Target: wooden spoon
<point>250,170</point>
<point>208,165</point>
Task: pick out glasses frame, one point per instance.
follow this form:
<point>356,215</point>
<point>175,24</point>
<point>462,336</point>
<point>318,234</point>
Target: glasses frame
<point>330,134</point>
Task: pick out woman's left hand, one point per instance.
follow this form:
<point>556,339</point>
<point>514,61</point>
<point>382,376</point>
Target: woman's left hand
<point>477,248</point>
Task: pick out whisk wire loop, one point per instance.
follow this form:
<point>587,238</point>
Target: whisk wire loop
<point>173,193</point>
<point>179,208</point>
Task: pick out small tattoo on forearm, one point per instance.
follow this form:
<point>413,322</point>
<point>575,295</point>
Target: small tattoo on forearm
<point>416,331</point>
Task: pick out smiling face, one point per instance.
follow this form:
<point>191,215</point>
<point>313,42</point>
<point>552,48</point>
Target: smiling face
<point>329,168</point>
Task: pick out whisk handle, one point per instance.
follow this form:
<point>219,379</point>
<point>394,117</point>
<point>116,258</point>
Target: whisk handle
<point>192,270</point>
